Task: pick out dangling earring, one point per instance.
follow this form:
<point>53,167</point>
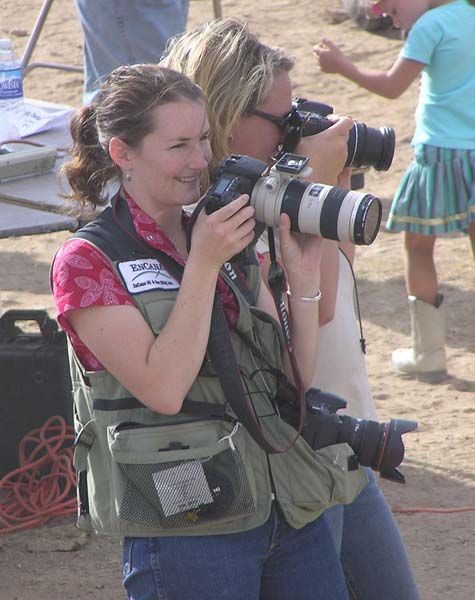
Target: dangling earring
<point>128,176</point>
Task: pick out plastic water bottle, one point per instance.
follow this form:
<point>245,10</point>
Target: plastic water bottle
<point>11,90</point>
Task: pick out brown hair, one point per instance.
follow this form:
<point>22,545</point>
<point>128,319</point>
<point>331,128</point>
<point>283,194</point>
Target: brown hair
<point>122,109</point>
<point>233,68</point>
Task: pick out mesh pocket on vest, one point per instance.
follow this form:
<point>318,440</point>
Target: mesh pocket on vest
<point>202,484</point>
<point>186,493</point>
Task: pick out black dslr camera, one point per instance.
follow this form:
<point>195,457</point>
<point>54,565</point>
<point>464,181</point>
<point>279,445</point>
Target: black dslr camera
<point>377,445</point>
<point>367,147</point>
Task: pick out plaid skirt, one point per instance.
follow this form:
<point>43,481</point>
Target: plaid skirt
<point>437,193</point>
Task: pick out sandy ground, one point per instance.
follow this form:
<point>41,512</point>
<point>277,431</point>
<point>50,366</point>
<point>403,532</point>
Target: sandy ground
<point>57,561</point>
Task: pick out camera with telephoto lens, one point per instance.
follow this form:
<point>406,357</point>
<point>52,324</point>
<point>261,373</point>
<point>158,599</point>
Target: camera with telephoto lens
<point>377,445</point>
<point>315,208</point>
<point>367,146</point>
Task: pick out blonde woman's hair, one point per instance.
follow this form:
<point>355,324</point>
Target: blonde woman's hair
<point>233,68</point>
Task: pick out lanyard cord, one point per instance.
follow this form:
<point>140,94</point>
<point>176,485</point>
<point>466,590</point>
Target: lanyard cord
<point>360,323</point>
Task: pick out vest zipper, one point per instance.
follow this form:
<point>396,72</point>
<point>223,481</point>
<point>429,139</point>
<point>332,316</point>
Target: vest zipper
<point>135,425</point>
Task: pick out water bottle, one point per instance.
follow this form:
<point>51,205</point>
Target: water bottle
<point>11,91</point>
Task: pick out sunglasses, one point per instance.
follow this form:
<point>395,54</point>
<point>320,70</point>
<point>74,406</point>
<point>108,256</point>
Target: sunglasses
<point>281,122</point>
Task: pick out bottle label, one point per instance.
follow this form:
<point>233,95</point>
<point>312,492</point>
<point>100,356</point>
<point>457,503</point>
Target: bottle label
<point>11,83</point>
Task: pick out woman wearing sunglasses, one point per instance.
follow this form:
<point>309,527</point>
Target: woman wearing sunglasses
<point>249,94</point>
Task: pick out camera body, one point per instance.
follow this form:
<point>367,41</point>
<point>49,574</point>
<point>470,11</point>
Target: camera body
<point>367,146</point>
<point>314,208</point>
<point>236,174</point>
<point>377,445</point>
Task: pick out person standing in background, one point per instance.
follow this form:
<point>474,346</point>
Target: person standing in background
<point>121,32</point>
<point>437,194</point>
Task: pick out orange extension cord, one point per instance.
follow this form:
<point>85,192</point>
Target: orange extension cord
<point>44,484</point>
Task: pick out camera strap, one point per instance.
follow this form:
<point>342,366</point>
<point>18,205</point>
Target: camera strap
<point>220,347</point>
<point>278,286</point>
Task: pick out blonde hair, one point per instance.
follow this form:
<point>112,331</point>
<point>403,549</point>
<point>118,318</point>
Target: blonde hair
<point>233,68</point>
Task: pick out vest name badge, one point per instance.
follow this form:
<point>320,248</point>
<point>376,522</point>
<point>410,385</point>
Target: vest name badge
<point>145,274</point>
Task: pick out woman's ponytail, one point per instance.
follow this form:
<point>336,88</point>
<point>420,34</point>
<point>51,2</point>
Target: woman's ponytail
<point>90,167</point>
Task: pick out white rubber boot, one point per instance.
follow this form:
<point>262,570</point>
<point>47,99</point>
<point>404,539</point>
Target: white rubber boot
<point>426,357</point>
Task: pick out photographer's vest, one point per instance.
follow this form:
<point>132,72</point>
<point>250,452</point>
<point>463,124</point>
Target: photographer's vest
<point>199,472</point>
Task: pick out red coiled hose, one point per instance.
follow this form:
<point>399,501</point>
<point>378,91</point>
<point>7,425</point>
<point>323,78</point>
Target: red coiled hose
<point>44,484</point>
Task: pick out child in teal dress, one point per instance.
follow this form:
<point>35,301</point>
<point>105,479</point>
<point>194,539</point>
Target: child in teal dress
<point>437,194</point>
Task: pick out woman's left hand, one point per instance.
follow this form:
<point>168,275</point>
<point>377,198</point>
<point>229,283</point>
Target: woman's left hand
<point>327,150</point>
<point>301,255</point>
<point>344,179</point>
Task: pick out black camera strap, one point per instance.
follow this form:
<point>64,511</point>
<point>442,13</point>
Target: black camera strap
<point>278,286</point>
<point>220,348</point>
<point>355,284</point>
<point>224,362</point>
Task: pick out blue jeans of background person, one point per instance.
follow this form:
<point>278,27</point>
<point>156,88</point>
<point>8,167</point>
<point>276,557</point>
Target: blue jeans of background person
<point>373,553</point>
<point>270,562</point>
<point>125,32</point>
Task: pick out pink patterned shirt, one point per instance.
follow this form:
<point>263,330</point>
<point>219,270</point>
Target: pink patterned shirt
<point>83,276</point>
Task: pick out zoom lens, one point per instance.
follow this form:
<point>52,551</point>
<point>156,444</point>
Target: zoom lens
<point>369,147</point>
<point>377,445</point>
<point>318,209</point>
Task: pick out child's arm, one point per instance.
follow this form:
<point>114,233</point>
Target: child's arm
<point>390,84</point>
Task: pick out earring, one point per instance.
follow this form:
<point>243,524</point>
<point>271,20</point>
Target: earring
<point>128,176</point>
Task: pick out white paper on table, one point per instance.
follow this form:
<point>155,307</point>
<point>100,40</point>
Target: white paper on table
<point>42,117</point>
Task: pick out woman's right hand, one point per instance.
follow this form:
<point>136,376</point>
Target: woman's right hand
<point>327,151</point>
<point>222,234</point>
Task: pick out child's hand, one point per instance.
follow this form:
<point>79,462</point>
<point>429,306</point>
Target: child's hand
<point>330,57</point>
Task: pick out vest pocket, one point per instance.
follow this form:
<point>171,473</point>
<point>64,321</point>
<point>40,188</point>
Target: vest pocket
<point>180,477</point>
<point>347,483</point>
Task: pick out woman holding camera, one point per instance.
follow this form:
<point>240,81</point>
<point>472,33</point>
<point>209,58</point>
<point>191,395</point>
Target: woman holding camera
<point>162,460</point>
<point>249,94</point>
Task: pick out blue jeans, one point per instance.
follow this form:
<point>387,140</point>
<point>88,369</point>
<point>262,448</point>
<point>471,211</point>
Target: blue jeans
<point>270,562</point>
<point>373,553</point>
<point>125,32</point>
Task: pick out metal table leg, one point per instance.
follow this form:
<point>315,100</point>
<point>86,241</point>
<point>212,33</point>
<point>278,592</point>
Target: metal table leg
<point>35,34</point>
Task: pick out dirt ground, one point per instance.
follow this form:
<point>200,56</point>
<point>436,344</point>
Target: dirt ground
<point>57,561</point>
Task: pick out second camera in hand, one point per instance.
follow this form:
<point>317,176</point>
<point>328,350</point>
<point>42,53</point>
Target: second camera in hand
<point>367,146</point>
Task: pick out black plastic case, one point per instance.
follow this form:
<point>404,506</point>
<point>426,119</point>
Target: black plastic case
<point>34,379</point>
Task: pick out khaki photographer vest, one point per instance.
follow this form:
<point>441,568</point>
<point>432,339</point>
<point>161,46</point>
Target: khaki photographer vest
<point>135,465</point>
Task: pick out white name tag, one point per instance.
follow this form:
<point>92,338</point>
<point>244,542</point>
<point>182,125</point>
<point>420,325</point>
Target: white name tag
<point>145,274</point>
